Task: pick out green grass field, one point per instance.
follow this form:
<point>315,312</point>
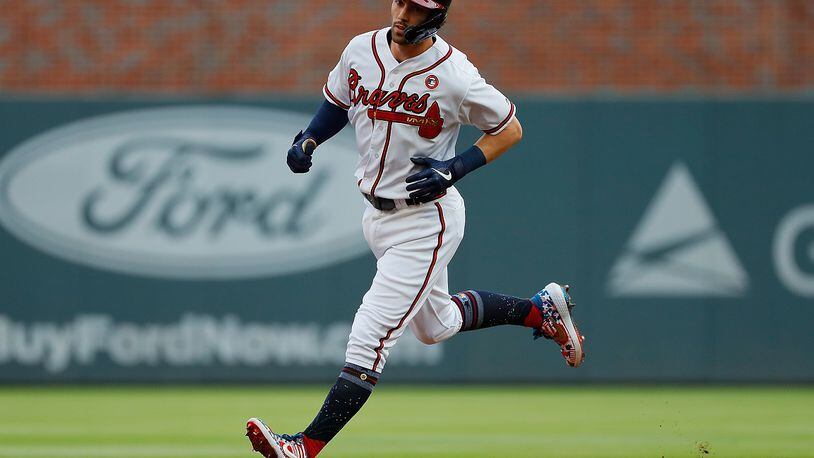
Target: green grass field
<point>428,422</point>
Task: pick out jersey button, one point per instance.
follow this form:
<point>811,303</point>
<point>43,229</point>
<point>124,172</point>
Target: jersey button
<point>392,85</point>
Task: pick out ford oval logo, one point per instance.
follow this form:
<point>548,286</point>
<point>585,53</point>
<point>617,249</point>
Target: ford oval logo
<point>184,192</point>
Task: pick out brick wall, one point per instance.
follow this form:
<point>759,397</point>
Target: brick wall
<point>272,46</point>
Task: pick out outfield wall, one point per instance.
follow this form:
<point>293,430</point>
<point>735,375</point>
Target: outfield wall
<point>167,241</point>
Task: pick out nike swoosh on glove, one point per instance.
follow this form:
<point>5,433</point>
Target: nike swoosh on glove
<point>437,176</point>
<point>299,156</point>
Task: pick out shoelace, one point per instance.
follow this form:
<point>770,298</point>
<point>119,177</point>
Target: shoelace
<point>292,446</point>
<point>550,318</point>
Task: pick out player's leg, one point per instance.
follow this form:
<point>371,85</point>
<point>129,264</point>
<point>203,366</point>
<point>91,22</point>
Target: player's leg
<point>548,313</point>
<point>444,316</point>
<point>437,320</point>
<point>420,243</point>
<point>408,272</point>
<point>485,309</point>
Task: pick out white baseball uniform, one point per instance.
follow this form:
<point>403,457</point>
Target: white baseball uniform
<point>400,110</point>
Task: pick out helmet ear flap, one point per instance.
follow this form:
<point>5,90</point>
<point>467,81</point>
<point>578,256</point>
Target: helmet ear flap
<point>419,33</point>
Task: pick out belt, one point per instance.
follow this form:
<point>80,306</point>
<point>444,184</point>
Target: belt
<point>384,204</point>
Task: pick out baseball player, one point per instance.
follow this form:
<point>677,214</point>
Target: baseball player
<point>407,92</point>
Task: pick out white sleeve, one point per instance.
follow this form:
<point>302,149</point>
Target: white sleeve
<point>336,89</point>
<point>486,108</point>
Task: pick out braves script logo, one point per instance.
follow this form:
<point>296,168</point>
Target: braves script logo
<point>429,125</point>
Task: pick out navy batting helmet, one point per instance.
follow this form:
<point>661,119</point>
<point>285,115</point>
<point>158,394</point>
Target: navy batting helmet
<point>417,34</point>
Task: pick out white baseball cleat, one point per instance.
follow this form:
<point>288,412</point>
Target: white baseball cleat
<point>555,304</point>
<point>273,445</point>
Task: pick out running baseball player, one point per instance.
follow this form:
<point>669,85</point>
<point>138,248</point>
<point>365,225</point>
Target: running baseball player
<point>407,92</point>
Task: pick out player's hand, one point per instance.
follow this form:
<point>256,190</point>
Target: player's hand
<point>431,182</point>
<point>299,156</point>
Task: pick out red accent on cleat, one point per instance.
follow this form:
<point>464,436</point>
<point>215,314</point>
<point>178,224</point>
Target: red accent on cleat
<point>259,442</point>
<point>534,319</point>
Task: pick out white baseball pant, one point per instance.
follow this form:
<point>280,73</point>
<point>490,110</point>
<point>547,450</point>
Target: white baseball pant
<point>413,247</point>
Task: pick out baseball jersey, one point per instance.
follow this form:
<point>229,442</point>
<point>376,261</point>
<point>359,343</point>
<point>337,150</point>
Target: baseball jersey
<point>412,108</point>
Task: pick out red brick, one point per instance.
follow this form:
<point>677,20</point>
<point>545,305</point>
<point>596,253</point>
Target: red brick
<point>275,46</point>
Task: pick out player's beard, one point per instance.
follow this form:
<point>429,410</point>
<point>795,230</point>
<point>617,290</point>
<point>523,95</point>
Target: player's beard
<point>398,37</point>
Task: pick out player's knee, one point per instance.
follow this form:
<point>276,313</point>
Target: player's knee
<point>427,338</point>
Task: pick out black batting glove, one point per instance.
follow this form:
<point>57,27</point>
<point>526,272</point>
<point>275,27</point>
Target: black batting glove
<point>431,182</point>
<point>437,176</point>
<point>299,156</point>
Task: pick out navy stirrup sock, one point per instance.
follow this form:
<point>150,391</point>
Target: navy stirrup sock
<point>483,309</point>
<point>348,395</point>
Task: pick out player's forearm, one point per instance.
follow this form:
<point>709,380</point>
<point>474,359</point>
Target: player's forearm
<point>487,149</point>
<point>495,145</point>
<point>327,122</point>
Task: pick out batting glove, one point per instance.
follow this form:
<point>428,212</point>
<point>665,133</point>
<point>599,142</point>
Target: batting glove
<point>299,156</point>
<point>437,176</point>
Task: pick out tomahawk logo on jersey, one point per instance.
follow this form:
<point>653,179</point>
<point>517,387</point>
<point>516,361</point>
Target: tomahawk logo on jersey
<point>414,107</point>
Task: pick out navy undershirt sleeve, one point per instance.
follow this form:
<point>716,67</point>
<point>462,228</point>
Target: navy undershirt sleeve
<point>468,161</point>
<point>327,122</point>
